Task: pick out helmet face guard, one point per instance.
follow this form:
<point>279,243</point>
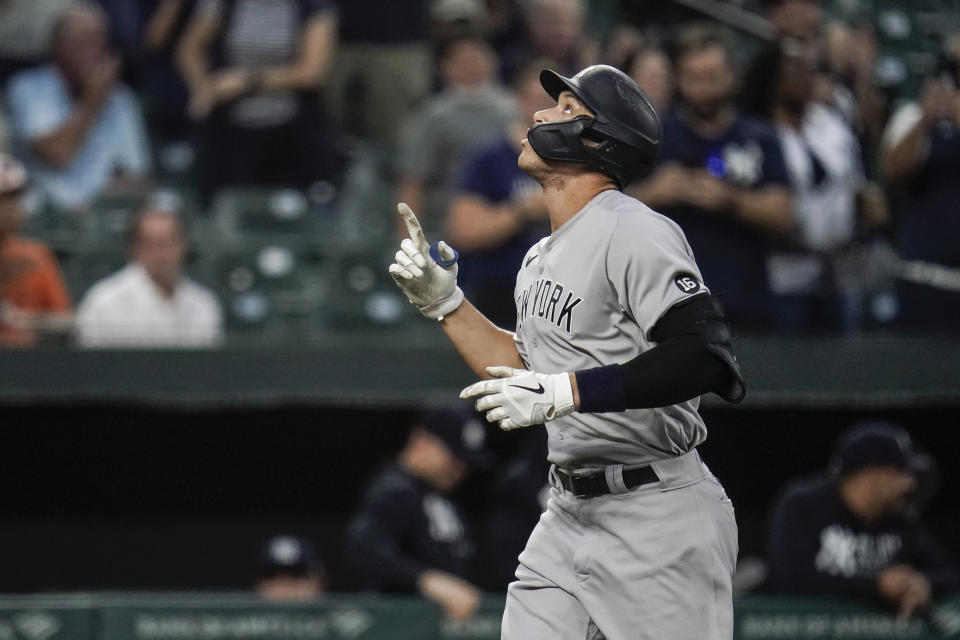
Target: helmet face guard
<point>564,142</point>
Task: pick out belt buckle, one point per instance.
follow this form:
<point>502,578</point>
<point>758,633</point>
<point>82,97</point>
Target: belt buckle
<point>580,483</point>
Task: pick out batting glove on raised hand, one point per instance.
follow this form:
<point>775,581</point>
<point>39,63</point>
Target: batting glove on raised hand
<point>520,398</point>
<point>430,286</point>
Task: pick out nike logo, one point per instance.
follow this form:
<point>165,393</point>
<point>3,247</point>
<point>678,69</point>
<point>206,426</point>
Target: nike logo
<point>531,259</point>
<point>537,389</point>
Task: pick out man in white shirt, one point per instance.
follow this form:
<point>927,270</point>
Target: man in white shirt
<point>150,302</point>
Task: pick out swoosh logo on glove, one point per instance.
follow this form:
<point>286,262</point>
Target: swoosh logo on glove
<point>538,389</point>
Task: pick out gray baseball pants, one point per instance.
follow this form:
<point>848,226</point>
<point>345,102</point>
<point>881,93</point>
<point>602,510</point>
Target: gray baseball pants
<point>655,562</point>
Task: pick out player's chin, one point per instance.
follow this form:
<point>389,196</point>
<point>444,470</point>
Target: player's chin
<point>528,159</point>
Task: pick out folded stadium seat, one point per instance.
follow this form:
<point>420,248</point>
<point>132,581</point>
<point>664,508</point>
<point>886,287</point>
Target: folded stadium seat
<point>271,291</point>
<point>364,298</point>
<point>244,215</point>
<point>366,207</point>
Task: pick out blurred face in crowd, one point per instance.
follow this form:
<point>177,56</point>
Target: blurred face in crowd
<point>433,461</point>
<point>81,44</point>
<point>468,63</point>
<point>838,47</point>
<point>705,81</point>
<point>890,488</point>
<point>291,588</point>
<point>159,247</point>
<point>651,70</point>
<point>797,18</point>
<point>567,107</point>
<point>11,213</point>
<point>555,26</point>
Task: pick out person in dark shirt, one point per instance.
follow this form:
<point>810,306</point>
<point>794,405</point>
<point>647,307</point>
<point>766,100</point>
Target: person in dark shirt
<point>851,533</point>
<point>408,535</point>
<point>722,178</point>
<point>920,152</point>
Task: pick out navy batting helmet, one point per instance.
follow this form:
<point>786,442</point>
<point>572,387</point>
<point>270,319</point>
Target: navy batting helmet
<point>624,131</point>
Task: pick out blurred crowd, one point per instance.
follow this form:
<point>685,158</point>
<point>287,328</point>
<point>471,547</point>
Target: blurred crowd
<point>446,518</point>
<point>815,184</point>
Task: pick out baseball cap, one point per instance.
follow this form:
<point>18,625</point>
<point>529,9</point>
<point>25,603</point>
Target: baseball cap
<point>874,444</point>
<point>13,176</point>
<point>460,428</point>
<point>291,555</point>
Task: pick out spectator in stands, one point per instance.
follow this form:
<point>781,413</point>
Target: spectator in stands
<point>920,153</point>
<point>851,58</point>
<point>472,109</point>
<point>34,303</point>
<point>382,69</point>
<point>409,536</point>
<point>151,302</point>
<point>26,27</point>
<point>254,69</point>
<point>557,30</point>
<point>78,129</point>
<point>823,160</point>
<point>650,67</point>
<point>847,533</point>
<point>722,178</point>
<point>498,211</point>
<point>290,570</point>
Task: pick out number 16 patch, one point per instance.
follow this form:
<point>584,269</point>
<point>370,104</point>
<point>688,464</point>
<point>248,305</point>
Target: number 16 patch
<point>686,282</point>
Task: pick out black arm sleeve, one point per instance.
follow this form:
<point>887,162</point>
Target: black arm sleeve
<point>693,357</point>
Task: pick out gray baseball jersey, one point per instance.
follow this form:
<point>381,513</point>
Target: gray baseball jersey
<point>589,295</point>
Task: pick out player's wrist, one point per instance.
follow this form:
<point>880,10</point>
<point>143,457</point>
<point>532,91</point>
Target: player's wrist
<point>563,402</point>
<point>445,306</point>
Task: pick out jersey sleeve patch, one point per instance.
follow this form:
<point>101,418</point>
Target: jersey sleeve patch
<point>686,282</point>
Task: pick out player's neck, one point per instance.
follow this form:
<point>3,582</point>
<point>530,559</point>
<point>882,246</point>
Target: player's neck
<point>565,196</point>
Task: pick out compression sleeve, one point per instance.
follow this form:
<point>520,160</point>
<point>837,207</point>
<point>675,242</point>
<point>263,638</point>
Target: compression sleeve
<point>692,357</point>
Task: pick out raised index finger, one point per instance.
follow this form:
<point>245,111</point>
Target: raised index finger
<point>413,228</point>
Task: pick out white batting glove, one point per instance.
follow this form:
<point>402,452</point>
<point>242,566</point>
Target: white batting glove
<point>429,286</point>
<point>520,398</point>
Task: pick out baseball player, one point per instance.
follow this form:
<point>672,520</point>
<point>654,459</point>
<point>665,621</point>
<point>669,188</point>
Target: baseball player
<point>616,338</point>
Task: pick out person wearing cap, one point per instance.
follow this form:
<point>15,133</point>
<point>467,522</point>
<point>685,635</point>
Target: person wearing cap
<point>408,536</point>
<point>151,302</point>
<point>34,302</point>
<point>849,532</point>
<point>290,570</point>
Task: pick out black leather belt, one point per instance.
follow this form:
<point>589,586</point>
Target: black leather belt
<point>595,484</point>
